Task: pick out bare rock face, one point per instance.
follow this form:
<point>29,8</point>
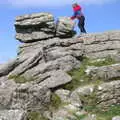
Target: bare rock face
<point>41,57</point>
<point>7,87</point>
<point>31,97</point>
<point>7,67</point>
<point>100,45</point>
<point>41,26</point>
<point>12,115</point>
<point>105,94</point>
<point>64,27</point>
<point>57,78</point>
<point>106,73</point>
<point>33,19</point>
<point>108,93</point>
<point>34,27</point>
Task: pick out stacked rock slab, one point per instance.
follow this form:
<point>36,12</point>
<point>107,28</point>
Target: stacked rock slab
<point>34,27</point>
<point>101,45</point>
<point>41,26</point>
<point>43,55</point>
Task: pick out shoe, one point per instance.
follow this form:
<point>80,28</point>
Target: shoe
<point>82,34</point>
<point>75,36</point>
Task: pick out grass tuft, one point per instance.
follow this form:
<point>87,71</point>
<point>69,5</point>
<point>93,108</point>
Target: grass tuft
<point>101,113</point>
<point>79,76</point>
<point>35,116</point>
<point>55,102</point>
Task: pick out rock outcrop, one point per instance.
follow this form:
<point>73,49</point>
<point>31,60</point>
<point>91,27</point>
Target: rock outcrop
<point>102,44</point>
<point>48,52</point>
<point>39,26</point>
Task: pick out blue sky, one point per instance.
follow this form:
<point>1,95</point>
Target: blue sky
<point>101,15</point>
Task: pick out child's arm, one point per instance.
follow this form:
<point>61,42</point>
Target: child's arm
<point>74,16</point>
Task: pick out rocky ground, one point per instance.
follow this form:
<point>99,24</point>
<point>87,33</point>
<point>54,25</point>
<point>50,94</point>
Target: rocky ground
<point>57,76</point>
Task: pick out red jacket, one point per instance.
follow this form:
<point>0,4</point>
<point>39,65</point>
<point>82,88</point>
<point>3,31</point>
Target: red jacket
<point>76,8</point>
<point>77,12</point>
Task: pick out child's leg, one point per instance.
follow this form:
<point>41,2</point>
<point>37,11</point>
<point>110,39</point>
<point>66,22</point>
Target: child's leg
<point>82,19</point>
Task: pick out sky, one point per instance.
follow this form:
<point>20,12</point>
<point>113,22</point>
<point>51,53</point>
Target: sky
<point>101,15</point>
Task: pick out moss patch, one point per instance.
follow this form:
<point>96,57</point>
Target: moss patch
<point>101,62</point>
<point>110,112</point>
<point>20,79</point>
<point>55,102</point>
<point>101,114</point>
<point>80,117</point>
<point>79,77</point>
<point>35,116</point>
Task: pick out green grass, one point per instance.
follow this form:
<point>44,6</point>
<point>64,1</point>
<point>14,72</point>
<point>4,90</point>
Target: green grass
<point>80,78</point>
<point>20,79</point>
<point>102,114</point>
<point>103,62</point>
<point>80,117</point>
<point>53,106</point>
<point>35,116</point>
<point>109,113</point>
<point>55,102</point>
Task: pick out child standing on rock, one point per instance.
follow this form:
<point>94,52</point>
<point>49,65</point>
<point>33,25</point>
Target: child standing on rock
<point>79,15</point>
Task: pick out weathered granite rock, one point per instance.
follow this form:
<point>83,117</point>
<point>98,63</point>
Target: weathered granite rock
<point>100,45</point>
<point>45,56</point>
<point>41,26</point>
<point>66,112</point>
<point>33,19</point>
<point>106,94</point>
<point>116,58</point>
<point>63,94</point>
<point>27,64</point>
<point>34,27</point>
<point>33,36</point>
<point>64,27</point>
<point>12,115</point>
<point>57,78</point>
<point>82,91</point>
<point>31,97</point>
<point>63,114</point>
<point>106,73</point>
<point>8,67</point>
<point>7,87</point>
<point>54,48</point>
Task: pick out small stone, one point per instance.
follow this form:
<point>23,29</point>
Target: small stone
<point>116,118</point>
<point>99,88</point>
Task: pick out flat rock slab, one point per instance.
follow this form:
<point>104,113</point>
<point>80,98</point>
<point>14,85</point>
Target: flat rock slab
<point>33,19</point>
<point>105,73</point>
<point>12,115</point>
<point>57,78</point>
<point>41,26</point>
